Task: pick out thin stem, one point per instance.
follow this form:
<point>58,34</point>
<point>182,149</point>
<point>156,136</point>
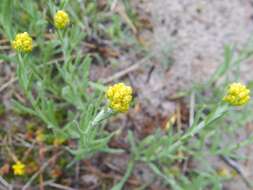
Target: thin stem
<point>212,117</point>
<point>129,171</point>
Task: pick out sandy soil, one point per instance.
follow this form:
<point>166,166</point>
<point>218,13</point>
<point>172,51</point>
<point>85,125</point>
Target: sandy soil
<point>197,31</point>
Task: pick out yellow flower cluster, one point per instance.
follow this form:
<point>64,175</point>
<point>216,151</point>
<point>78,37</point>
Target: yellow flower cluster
<point>18,168</point>
<point>119,96</point>
<point>61,19</point>
<point>22,42</point>
<point>237,94</point>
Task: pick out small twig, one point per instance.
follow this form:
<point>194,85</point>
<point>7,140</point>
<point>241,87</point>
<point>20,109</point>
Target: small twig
<point>97,172</point>
<point>27,153</point>
<point>12,155</point>
<point>178,116</point>
<point>43,167</point>
<point>41,160</point>
<point>6,47</point>
<point>3,41</point>
<point>7,84</point>
<point>59,186</point>
<point>41,182</point>
<point>121,73</point>
<point>77,173</point>
<point>120,9</point>
<point>152,68</point>
<point>20,139</point>
<point>125,71</point>
<point>233,164</point>
<point>192,108</point>
<point>2,187</point>
<point>45,183</point>
<point>5,183</point>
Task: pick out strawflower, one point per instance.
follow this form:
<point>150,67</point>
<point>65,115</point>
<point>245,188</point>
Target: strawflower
<point>119,96</point>
<point>61,19</point>
<point>237,94</point>
<point>22,43</point>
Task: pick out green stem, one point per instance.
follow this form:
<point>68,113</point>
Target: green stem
<point>129,171</point>
<point>211,118</point>
<point>22,74</point>
<point>169,179</point>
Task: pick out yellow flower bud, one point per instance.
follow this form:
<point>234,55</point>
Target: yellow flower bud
<point>237,94</point>
<point>19,168</point>
<point>22,42</point>
<point>119,96</point>
<point>223,172</point>
<point>40,136</point>
<point>61,19</point>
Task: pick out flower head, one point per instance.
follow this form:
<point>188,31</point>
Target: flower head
<point>22,42</point>
<point>237,94</point>
<point>61,19</point>
<point>18,168</point>
<point>119,96</point>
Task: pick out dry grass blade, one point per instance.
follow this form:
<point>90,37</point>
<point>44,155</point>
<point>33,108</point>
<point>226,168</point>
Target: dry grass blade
<point>43,167</point>
<point>7,84</point>
<point>59,186</point>
<point>5,184</point>
<point>126,71</point>
<point>233,164</point>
